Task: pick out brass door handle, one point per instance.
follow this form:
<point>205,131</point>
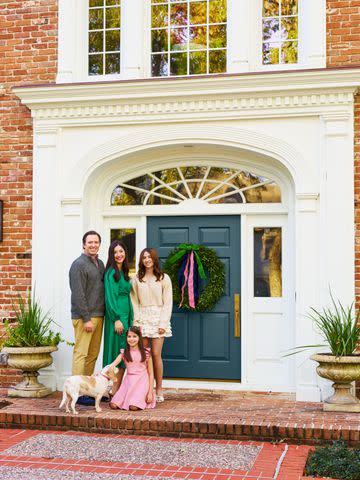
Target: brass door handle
<point>237,315</point>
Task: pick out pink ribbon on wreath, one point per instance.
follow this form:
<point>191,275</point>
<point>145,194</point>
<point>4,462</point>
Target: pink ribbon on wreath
<point>189,281</point>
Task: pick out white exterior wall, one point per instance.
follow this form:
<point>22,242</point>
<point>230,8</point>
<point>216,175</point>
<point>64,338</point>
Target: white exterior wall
<point>297,130</point>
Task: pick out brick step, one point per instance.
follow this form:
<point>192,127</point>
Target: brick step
<point>232,416</point>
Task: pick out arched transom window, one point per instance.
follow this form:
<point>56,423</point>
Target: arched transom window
<point>210,184</point>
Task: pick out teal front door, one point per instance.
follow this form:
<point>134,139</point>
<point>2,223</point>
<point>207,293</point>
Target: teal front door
<point>203,344</point>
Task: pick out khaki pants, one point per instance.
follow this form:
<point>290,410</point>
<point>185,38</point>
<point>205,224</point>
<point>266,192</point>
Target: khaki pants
<point>87,346</point>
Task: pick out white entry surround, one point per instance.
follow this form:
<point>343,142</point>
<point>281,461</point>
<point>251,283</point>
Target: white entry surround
<point>293,127</point>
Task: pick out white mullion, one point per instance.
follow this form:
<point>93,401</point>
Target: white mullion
<point>166,185</point>
<point>185,183</point>
<point>104,39</point>
<point>220,185</point>
<point>188,38</point>
<point>203,182</point>
<point>148,192</point>
<point>168,32</point>
<point>228,194</point>
<point>207,37</point>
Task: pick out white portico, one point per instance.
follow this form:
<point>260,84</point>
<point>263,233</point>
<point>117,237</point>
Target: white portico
<point>293,129</point>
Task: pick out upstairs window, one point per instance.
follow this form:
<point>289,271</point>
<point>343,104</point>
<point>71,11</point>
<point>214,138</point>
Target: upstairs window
<point>188,37</point>
<point>280,32</point>
<point>104,37</point>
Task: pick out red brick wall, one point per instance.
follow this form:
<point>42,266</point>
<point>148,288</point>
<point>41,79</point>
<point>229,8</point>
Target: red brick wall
<point>28,55</point>
<point>343,49</point>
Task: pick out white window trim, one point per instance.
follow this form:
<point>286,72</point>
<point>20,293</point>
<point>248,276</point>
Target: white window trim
<point>244,44</point>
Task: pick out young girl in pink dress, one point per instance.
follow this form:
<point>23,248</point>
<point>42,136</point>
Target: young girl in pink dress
<point>136,390</point>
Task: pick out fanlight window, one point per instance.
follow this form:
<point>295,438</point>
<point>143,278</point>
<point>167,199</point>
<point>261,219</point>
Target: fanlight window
<point>210,184</point>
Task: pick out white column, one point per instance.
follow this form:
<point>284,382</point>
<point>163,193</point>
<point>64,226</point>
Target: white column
<point>307,292</point>
<point>133,28</point>
<point>45,237</point>
<point>238,35</point>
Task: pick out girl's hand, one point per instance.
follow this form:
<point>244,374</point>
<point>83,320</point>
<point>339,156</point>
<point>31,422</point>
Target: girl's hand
<point>119,327</point>
<point>149,397</point>
<point>161,331</point>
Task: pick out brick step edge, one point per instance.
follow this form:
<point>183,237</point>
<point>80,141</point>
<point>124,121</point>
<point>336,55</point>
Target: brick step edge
<point>225,431</point>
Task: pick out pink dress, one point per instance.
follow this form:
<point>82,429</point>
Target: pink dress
<point>135,386</point>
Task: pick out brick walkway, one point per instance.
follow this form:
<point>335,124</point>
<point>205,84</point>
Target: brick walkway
<point>274,461</point>
<point>232,416</point>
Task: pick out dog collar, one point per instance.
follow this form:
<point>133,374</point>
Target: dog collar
<point>105,376</point>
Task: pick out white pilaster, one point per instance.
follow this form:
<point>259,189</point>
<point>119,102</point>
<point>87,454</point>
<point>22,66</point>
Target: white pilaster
<point>133,25</point>
<point>307,292</point>
<point>238,36</point>
<point>45,229</point>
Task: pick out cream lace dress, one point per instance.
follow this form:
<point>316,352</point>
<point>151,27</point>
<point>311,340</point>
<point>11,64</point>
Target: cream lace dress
<point>152,304</point>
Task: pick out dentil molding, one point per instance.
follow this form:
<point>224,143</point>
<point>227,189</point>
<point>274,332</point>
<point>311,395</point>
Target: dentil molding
<point>275,94</point>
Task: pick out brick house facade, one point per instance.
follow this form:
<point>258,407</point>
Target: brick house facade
<point>29,52</point>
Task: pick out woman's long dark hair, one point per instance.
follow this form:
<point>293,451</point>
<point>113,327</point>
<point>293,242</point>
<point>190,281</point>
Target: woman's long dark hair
<point>159,274</point>
<point>127,352</point>
<point>112,264</point>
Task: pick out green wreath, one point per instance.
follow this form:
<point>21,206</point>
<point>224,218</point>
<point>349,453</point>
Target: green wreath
<point>215,287</point>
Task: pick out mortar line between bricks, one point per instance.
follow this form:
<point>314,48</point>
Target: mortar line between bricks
<point>116,465</point>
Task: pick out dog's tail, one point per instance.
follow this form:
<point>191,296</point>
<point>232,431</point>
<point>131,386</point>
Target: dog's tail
<point>63,398</point>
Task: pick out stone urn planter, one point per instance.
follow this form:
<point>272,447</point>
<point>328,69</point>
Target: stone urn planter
<point>342,371</point>
<point>29,360</point>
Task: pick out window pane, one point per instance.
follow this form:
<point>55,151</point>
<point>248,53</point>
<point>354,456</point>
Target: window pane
<point>267,262</point>
<point>113,17</point>
<point>289,52</point>
<point>271,53</point>
<point>198,13</point>
<point>289,28</point>
<point>289,7</point>
<point>198,63</point>
<point>217,36</point>
<point>271,30</point>
<point>159,16</point>
<point>96,64</point>
<point>178,64</point>
<point>159,40</point>
<point>112,40</point>
<point>113,2</point>
<point>159,65</point>
<point>128,237</point>
<point>217,61</point>
<point>96,41</point>
<point>271,8</point>
<point>217,11</point>
<point>112,63</point>
<point>96,19</point>
<point>198,38</point>
<point>178,14</point>
<point>96,3</point>
<point>178,38</point>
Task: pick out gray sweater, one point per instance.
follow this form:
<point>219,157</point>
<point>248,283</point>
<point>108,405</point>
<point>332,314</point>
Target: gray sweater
<point>87,288</point>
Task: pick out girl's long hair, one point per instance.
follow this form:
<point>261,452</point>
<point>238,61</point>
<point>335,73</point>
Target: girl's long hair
<point>127,352</point>
<point>159,274</point>
<point>112,264</point>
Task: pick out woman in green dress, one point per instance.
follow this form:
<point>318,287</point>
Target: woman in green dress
<point>118,306</point>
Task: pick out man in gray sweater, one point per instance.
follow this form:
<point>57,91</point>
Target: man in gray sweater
<point>87,304</point>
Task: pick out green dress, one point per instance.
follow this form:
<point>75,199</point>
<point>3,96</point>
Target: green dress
<point>117,307</point>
